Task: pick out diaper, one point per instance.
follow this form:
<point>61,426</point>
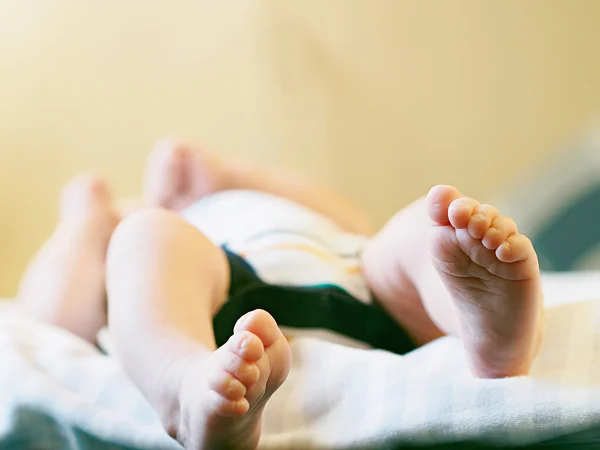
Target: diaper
<point>297,265</point>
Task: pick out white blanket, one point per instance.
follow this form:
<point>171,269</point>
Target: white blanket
<point>59,392</point>
<point>56,388</point>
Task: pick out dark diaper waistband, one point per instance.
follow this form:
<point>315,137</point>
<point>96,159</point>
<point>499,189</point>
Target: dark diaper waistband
<point>325,307</point>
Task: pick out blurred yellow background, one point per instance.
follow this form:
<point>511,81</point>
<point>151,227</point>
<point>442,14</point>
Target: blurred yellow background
<point>380,98</point>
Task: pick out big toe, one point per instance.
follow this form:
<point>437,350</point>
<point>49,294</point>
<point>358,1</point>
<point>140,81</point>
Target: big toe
<point>260,323</point>
<point>277,350</point>
<point>438,202</point>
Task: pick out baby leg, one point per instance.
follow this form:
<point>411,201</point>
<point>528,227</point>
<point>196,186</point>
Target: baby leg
<point>470,270</point>
<point>64,283</point>
<point>166,281</point>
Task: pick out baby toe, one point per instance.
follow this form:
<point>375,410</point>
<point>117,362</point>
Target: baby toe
<point>514,248</point>
<point>224,407</point>
<point>460,211</point>
<point>227,386</point>
<point>437,202</point>
<point>500,229</point>
<point>261,324</point>
<point>246,345</point>
<point>246,372</point>
<point>481,220</point>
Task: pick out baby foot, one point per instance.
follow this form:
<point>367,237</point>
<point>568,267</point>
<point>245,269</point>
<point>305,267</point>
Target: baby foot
<point>178,175</point>
<point>222,395</point>
<point>492,273</point>
<point>64,283</point>
<point>86,203</point>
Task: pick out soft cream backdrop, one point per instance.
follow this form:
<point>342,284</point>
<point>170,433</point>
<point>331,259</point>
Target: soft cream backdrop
<point>379,98</point>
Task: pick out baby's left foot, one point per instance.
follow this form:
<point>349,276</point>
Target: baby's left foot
<point>492,273</point>
<point>221,396</point>
<point>64,283</point>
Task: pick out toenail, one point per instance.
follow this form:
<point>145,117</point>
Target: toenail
<point>232,386</point>
<point>245,318</point>
<point>244,343</point>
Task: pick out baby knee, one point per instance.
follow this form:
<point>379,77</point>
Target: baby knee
<point>146,227</point>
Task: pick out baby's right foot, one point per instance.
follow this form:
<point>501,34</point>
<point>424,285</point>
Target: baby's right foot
<point>178,175</point>
<point>221,396</point>
<point>492,274</point>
